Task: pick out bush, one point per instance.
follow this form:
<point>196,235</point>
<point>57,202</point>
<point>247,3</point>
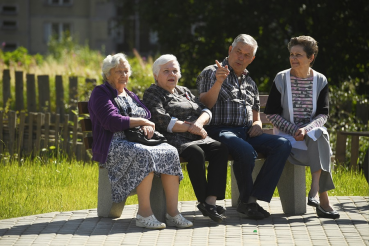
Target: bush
<point>142,76</point>
<point>343,110</point>
<point>20,58</point>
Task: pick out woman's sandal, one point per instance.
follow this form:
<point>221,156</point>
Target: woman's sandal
<point>178,221</point>
<point>324,214</point>
<point>149,222</point>
<point>313,202</point>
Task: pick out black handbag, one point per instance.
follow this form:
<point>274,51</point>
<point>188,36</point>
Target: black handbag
<point>137,135</point>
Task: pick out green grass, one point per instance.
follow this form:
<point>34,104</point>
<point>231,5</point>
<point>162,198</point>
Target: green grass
<point>35,187</point>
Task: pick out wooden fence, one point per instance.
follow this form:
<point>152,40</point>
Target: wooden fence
<point>45,96</point>
<point>35,134</point>
<point>31,129</point>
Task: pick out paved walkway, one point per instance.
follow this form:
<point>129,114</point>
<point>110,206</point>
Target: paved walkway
<point>83,227</point>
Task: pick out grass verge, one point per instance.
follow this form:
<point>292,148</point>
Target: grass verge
<point>35,187</point>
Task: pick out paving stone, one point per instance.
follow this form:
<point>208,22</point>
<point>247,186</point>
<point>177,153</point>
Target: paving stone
<point>83,227</point>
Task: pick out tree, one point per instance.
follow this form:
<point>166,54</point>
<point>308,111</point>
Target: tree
<point>198,32</point>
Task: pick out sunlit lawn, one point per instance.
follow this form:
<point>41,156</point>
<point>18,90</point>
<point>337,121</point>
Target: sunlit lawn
<point>36,187</point>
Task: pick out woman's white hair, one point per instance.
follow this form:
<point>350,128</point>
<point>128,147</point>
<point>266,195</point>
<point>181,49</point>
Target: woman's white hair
<point>246,39</point>
<point>163,60</point>
<point>112,62</point>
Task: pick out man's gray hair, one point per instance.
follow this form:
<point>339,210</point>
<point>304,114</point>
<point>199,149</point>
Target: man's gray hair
<point>112,62</point>
<point>246,39</point>
<point>163,60</point>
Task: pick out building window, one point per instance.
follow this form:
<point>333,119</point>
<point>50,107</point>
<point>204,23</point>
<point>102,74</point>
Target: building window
<point>9,46</point>
<point>60,2</point>
<point>9,9</point>
<point>57,30</point>
<point>9,24</point>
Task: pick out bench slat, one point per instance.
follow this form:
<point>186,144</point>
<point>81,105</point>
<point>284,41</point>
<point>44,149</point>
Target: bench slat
<point>87,141</point>
<point>263,100</point>
<point>263,119</point>
<point>83,108</point>
<point>86,125</point>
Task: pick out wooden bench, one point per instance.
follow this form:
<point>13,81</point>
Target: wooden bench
<point>291,186</point>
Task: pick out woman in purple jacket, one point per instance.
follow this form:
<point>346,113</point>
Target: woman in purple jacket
<point>131,165</point>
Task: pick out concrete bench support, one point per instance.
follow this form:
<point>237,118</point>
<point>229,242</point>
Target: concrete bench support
<point>291,187</point>
<point>107,208</point>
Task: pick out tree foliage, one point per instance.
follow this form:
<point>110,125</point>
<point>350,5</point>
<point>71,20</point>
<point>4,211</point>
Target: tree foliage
<point>198,32</point>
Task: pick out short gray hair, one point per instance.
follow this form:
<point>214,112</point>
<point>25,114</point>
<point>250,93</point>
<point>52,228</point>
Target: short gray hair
<point>163,60</point>
<point>246,39</point>
<point>112,62</point>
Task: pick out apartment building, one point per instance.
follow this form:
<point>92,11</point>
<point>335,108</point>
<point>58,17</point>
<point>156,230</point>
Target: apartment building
<point>31,24</point>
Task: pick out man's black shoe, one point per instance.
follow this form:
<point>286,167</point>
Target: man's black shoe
<point>250,211</point>
<point>220,209</point>
<point>263,211</point>
<point>211,211</point>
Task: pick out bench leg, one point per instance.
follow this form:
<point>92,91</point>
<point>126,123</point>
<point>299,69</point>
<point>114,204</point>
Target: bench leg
<point>234,188</point>
<point>292,189</point>
<point>105,206</point>
<point>157,199</point>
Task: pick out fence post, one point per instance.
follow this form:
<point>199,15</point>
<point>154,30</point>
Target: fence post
<point>12,121</point>
<point>341,148</point>
<point>66,134</point>
<point>354,151</point>
<point>1,132</point>
<point>59,92</point>
<point>22,117</point>
<point>19,102</point>
<point>43,93</point>
<point>47,131</point>
<point>30,133</point>
<point>75,133</point>
<point>57,126</point>
<point>39,124</point>
<point>73,94</point>
<point>6,86</point>
<point>31,92</point>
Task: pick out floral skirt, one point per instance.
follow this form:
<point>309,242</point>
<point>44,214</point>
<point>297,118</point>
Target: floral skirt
<point>128,163</point>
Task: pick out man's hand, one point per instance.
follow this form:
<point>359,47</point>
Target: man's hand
<point>256,129</point>
<point>300,134</point>
<point>221,73</point>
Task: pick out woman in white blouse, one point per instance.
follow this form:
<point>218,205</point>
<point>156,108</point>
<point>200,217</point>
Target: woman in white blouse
<point>298,108</point>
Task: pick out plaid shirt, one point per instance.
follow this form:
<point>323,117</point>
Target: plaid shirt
<point>235,101</point>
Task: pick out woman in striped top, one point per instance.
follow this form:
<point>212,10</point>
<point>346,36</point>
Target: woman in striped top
<point>298,108</point>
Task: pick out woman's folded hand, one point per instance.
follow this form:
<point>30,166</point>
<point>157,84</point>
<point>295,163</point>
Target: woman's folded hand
<point>300,134</point>
<point>197,129</point>
<point>133,122</point>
